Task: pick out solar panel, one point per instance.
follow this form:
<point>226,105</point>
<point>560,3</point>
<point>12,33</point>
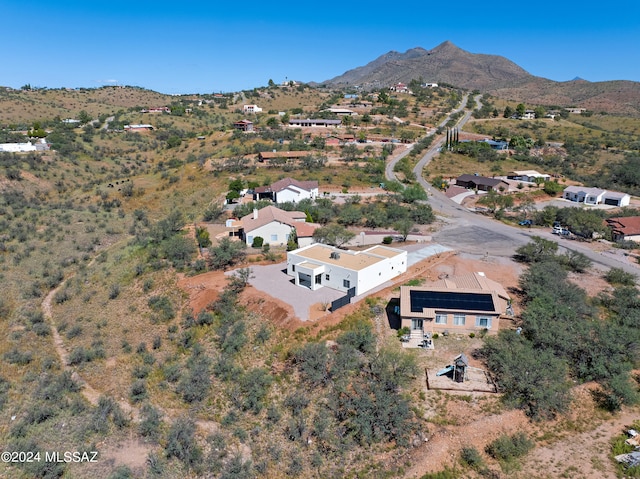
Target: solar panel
<point>450,300</point>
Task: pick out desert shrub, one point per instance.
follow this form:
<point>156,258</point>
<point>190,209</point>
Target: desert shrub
<point>62,296</point>
<point>163,306</point>
<point>74,331</point>
<point>178,250</point>
<point>15,356</point>
<point>618,276</point>
<point>155,465</point>
<point>150,423</point>
<point>121,472</point>
<point>471,457</point>
<point>387,240</point>
<point>506,448</point>
<point>195,383</point>
<point>106,409</point>
<point>138,391</point>
<point>181,442</point>
<point>237,468</point>
<point>576,261</point>
<point>232,337</point>
<point>263,334</point>
<point>312,360</point>
<point>114,291</point>
<point>254,386</point>
<point>80,355</point>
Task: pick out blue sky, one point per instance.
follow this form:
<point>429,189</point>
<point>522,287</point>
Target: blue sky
<point>200,47</point>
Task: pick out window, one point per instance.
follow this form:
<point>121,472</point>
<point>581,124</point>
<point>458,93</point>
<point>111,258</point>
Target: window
<point>326,277</point>
<point>318,279</point>
<point>250,239</point>
<point>483,322</point>
<point>441,319</point>
<point>293,267</point>
<point>458,319</point>
<point>274,237</point>
<point>346,283</point>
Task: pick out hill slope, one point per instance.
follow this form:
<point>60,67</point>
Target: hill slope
<point>491,74</point>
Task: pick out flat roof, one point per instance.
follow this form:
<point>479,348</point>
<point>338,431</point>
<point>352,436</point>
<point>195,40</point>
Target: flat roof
<point>354,260</point>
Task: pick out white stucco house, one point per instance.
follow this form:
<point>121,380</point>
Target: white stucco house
<point>288,190</point>
<point>595,196</point>
<point>320,265</point>
<point>41,145</point>
<point>251,109</point>
<point>529,176</point>
<point>275,226</point>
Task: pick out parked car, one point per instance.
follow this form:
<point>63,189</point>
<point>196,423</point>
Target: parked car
<point>526,223</point>
<point>559,230</point>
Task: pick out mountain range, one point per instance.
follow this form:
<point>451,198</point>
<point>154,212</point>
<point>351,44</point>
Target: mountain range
<point>492,74</point>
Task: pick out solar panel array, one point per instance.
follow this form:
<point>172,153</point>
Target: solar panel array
<point>450,300</point>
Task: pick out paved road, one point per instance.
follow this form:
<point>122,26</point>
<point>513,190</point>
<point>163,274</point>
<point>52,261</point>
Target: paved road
<point>472,233</point>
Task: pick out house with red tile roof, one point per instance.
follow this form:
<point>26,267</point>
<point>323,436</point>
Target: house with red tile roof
<point>244,125</point>
<point>625,229</point>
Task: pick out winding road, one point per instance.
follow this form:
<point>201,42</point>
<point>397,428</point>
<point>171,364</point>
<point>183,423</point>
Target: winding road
<point>476,234</point>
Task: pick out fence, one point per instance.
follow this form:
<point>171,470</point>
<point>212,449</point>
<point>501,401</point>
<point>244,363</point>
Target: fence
<point>340,302</point>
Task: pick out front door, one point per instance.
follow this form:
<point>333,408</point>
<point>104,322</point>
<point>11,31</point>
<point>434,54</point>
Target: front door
<point>416,324</point>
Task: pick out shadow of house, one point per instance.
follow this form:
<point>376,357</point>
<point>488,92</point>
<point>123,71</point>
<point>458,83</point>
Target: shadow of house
<point>393,314</point>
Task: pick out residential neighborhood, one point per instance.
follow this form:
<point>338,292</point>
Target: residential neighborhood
<point>393,277</point>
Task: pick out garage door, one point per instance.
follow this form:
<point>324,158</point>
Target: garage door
<point>611,201</point>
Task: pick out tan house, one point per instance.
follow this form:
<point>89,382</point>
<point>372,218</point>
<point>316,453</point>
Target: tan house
<point>463,304</point>
<point>275,226</point>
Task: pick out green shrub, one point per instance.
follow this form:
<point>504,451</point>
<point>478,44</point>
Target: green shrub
<point>507,448</point>
<point>471,457</point>
<point>181,442</point>
<point>387,240</point>
<point>258,241</point>
<point>138,391</point>
<point>620,276</point>
<point>403,330</point>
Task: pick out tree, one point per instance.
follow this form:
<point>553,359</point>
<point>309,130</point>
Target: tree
<point>521,109</point>
<point>552,188</point>
<point>178,249</point>
<point>174,141</point>
<point>537,250</point>
<point>333,234</point>
<point>531,379</point>
<point>203,237</point>
<point>495,201</point>
<point>508,112</point>
<point>84,117</point>
<point>413,193</point>
<point>350,215</point>
<point>404,227</point>
<point>226,253</point>
<point>540,112</point>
